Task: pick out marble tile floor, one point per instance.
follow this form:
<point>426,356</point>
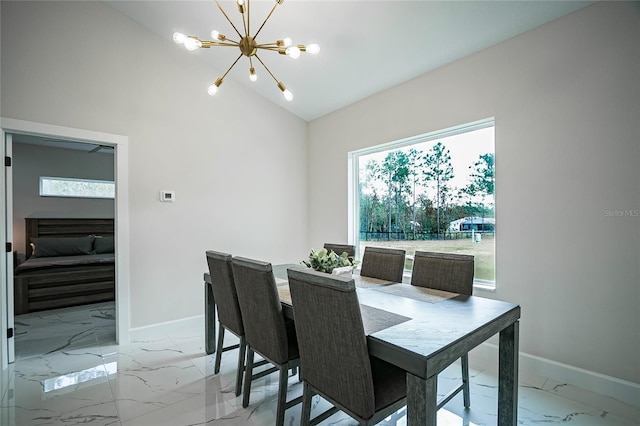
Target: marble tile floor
<point>46,332</point>
<point>169,381</point>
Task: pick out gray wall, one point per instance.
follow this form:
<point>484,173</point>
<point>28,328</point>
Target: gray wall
<point>566,102</point>
<point>32,161</point>
<point>236,162</point>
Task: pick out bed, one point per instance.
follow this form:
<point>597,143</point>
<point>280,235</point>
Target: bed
<point>69,262</point>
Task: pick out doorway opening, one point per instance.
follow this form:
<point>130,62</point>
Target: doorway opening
<point>59,136</point>
<point>64,295</point>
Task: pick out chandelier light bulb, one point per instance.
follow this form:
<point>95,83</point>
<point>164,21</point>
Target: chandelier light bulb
<point>252,74</point>
<point>285,92</point>
<point>179,37</point>
<point>284,42</point>
<point>314,49</point>
<point>215,35</point>
<point>192,43</point>
<point>213,89</point>
<point>293,52</point>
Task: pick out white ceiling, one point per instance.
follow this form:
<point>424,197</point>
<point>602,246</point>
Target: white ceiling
<point>366,46</point>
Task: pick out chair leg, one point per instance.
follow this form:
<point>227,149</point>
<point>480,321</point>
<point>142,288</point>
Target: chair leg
<point>307,395</point>
<point>282,395</point>
<point>216,369</point>
<point>465,381</point>
<point>242,355</point>
<point>248,374</point>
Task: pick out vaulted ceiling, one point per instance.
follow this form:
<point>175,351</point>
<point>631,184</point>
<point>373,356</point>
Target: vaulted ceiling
<point>366,46</point>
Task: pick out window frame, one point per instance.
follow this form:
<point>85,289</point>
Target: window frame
<point>353,207</point>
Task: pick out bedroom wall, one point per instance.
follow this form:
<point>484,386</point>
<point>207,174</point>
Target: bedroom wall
<point>240,186</point>
<point>32,161</point>
<point>566,102</point>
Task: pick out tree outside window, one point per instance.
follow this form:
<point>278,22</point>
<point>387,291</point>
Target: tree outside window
<point>433,194</point>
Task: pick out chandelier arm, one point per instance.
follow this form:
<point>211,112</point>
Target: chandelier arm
<point>267,68</point>
<point>207,44</point>
<point>225,15</point>
<point>245,21</point>
<point>232,65</point>
<point>248,29</point>
<point>273,49</point>
<point>265,19</point>
<point>227,41</point>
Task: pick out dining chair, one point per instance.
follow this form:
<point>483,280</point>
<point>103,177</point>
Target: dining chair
<point>453,273</point>
<point>334,354</point>
<point>341,248</point>
<point>383,263</point>
<point>229,316</point>
<point>268,332</point>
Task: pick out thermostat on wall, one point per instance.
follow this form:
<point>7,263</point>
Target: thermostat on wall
<point>167,196</point>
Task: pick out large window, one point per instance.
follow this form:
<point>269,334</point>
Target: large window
<point>433,192</point>
<point>77,188</point>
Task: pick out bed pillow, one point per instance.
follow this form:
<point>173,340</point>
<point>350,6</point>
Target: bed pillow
<point>69,246</point>
<point>103,245</point>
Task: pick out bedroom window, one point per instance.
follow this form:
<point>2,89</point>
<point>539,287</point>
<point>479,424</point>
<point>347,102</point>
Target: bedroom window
<point>76,188</point>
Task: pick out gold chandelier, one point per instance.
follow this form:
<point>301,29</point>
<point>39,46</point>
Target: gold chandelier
<point>248,45</point>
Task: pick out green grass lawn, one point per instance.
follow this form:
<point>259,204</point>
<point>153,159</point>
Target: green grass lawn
<point>483,251</point>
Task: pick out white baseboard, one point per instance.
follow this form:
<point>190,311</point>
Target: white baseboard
<point>169,328</point>
<point>622,390</point>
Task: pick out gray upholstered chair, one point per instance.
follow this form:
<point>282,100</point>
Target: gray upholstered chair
<point>267,331</point>
<point>334,354</point>
<point>229,317</point>
<point>453,273</point>
<point>383,263</point>
<point>341,248</point>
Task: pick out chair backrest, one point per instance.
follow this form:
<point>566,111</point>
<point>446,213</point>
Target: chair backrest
<point>264,324</point>
<point>443,271</point>
<point>333,346</point>
<point>383,263</point>
<point>224,291</point>
<point>341,248</point>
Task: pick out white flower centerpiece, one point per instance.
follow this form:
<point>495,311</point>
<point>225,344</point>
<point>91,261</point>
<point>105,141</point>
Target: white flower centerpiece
<point>330,262</point>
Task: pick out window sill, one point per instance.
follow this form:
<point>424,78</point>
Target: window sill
<point>484,285</point>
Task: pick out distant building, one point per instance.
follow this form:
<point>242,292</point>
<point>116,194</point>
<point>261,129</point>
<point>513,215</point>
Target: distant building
<point>473,223</point>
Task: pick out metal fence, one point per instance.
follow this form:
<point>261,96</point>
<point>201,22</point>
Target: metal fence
<point>421,236</point>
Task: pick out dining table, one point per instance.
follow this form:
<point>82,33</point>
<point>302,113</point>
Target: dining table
<point>422,331</point>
